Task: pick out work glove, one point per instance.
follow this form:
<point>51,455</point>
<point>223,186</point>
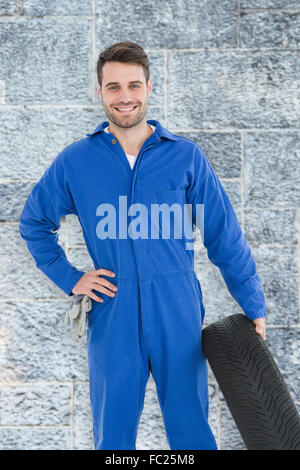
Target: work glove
<point>76,314</point>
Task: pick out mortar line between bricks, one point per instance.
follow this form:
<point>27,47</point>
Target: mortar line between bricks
<point>242,178</point>
<point>165,87</point>
<point>269,10</point>
<point>94,59</point>
<point>41,383</point>
<point>224,49</point>
<point>273,245</point>
<point>72,418</point>
<point>235,130</point>
<point>298,257</point>
<point>239,10</point>
<point>238,38</point>
<point>273,208</point>
<point>169,50</point>
<point>192,130</point>
<point>41,17</point>
<point>224,130</point>
<point>66,106</point>
<point>19,8</point>
<point>35,426</point>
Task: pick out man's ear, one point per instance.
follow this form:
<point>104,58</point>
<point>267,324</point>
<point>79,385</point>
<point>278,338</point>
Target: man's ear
<point>149,88</point>
<point>99,91</point>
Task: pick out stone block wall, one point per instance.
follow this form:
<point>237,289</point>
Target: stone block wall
<point>225,74</point>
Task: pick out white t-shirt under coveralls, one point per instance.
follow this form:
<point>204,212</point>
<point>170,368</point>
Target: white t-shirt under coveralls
<point>131,158</point>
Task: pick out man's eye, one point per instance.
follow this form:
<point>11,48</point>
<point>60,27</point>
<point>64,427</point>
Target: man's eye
<point>112,87</point>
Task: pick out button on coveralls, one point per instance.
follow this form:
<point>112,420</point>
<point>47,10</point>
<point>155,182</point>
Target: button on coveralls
<point>154,321</point>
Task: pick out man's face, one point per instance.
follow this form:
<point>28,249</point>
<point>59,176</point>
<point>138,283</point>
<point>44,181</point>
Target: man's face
<point>124,86</point>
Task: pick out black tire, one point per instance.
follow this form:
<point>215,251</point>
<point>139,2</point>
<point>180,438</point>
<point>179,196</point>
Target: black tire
<point>252,385</point>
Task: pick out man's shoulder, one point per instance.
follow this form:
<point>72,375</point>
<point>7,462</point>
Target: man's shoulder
<point>75,149</point>
<point>76,145</point>
<point>193,151</point>
<point>189,144</point>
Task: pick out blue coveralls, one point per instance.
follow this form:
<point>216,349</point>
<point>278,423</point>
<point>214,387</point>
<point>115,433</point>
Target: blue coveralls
<point>154,321</point>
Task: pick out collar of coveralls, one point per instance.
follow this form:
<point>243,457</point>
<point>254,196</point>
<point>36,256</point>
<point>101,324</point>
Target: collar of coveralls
<point>159,132</point>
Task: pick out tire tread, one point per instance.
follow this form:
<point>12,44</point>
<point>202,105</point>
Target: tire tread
<point>252,385</point>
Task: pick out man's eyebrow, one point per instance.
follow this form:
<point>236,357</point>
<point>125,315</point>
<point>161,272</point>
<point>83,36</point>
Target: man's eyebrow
<point>117,83</point>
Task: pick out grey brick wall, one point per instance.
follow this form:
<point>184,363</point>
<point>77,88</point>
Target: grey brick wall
<point>225,74</point>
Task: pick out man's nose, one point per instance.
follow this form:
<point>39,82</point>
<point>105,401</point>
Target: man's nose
<point>125,98</point>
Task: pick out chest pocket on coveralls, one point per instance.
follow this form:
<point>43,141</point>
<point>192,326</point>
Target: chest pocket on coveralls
<point>170,197</point>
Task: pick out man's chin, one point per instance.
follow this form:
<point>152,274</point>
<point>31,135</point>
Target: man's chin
<point>126,123</point>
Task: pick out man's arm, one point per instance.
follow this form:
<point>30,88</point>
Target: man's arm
<point>49,200</point>
<point>223,238</point>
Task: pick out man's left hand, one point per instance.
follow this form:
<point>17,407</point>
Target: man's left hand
<point>260,327</point>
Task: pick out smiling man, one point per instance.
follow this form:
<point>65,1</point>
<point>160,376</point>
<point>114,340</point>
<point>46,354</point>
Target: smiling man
<point>125,101</point>
<point>149,319</point>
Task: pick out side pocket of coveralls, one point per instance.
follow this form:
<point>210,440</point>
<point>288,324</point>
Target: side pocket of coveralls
<point>99,308</point>
<point>199,290</point>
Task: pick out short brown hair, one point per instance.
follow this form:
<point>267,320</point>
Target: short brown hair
<point>124,51</point>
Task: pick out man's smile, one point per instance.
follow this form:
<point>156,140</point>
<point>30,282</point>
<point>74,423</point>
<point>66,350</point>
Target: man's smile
<point>128,109</point>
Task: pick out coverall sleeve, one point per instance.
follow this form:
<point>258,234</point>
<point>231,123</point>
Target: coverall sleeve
<point>223,238</point>
<point>48,201</point>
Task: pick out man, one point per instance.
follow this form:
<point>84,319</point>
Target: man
<point>150,315</point>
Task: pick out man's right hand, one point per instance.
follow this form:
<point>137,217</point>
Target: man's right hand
<point>93,280</point>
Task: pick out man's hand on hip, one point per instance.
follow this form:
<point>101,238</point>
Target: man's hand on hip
<point>92,280</point>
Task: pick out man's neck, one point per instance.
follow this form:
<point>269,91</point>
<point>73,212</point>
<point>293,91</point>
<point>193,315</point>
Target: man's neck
<point>147,125</point>
<point>132,142</point>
